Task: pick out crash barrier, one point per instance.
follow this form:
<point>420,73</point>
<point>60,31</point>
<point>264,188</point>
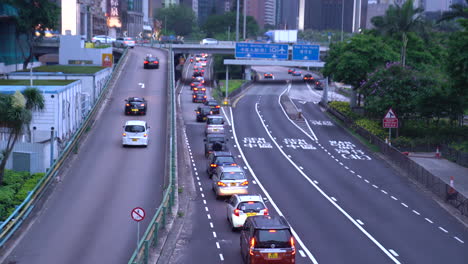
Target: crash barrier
<point>14,221</point>
<point>150,239</point>
<point>455,155</point>
<point>412,169</point>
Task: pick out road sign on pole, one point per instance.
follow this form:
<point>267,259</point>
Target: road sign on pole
<point>138,214</point>
<point>262,51</point>
<point>390,120</point>
<point>306,52</point>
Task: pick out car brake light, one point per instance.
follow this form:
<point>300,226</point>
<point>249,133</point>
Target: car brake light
<point>272,231</point>
<point>124,134</point>
<point>198,112</point>
<point>252,245</point>
<point>194,96</point>
<point>127,105</point>
<point>217,106</point>
<point>234,164</point>
<point>156,62</point>
<point>126,42</point>
<point>213,165</point>
<point>292,245</point>
<point>236,212</point>
<point>204,96</point>
<point>142,105</point>
<point>265,211</point>
<point>245,183</point>
<point>250,202</point>
<point>221,184</point>
<point>146,62</point>
<point>145,135</point>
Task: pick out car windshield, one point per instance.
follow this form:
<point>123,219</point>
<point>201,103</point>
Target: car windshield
<point>152,58</point>
<point>224,160</point>
<point>128,39</point>
<point>134,128</point>
<point>212,103</point>
<point>215,139</point>
<point>205,110</point>
<point>215,121</point>
<point>279,237</point>
<point>233,175</point>
<point>251,206</point>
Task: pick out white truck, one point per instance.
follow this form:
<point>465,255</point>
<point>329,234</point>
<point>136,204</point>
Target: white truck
<point>281,36</point>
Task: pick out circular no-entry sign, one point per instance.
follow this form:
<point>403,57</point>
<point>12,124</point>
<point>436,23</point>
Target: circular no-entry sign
<point>138,214</point>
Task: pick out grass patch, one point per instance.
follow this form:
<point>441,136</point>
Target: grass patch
<point>36,82</point>
<point>180,214</point>
<point>67,69</point>
<point>180,189</point>
<point>233,85</point>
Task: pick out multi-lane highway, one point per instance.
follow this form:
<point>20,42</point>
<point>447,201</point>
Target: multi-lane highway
<point>87,218</point>
<point>345,204</point>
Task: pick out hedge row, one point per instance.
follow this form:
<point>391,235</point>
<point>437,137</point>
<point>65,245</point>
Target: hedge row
<point>15,188</point>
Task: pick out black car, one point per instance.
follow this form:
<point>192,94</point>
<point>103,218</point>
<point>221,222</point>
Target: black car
<point>195,84</point>
<point>308,77</point>
<point>135,106</point>
<point>196,74</point>
<point>202,112</point>
<point>198,97</point>
<point>215,142</point>
<point>318,85</point>
<point>151,62</point>
<point>214,105</point>
<point>219,158</point>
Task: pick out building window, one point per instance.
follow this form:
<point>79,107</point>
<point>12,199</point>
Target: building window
<point>130,5</point>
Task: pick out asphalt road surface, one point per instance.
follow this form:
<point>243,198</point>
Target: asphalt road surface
<point>87,218</point>
<point>345,204</point>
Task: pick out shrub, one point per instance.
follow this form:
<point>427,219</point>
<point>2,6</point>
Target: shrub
<point>6,201</point>
<point>27,187</point>
<point>372,126</point>
<point>344,108</point>
<point>15,179</point>
<point>403,142</point>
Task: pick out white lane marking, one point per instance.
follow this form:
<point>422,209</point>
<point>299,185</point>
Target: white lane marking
<point>394,198</point>
<point>239,156</point>
<point>204,201</point>
<point>302,253</point>
<point>346,167</point>
<point>245,167</point>
<point>201,189</point>
<point>209,216</point>
<point>375,186</point>
<point>404,205</point>
<point>221,257</point>
<point>199,183</point>
<point>459,240</point>
<point>443,229</point>
<point>211,225</point>
<point>217,245</point>
<point>359,176</point>
<point>314,138</point>
<point>429,220</point>
<point>235,145</point>
<point>359,221</point>
<point>341,163</point>
<point>330,200</point>
<point>289,156</point>
<point>316,182</point>
<point>227,119</point>
<point>384,191</point>
<point>332,156</point>
<point>298,239</point>
<point>393,252</point>
<point>142,85</point>
<point>334,199</point>
<point>193,164</point>
<point>214,234</point>
<point>329,154</point>
<point>416,212</point>
<point>367,181</point>
<point>254,182</point>
<point>352,171</point>
<point>202,195</point>
<point>301,168</point>
<point>195,169</point>
<point>206,209</point>
<point>198,178</point>
<point>193,161</point>
<point>336,160</point>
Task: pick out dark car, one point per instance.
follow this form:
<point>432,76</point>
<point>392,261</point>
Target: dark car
<point>195,84</point>
<point>214,105</point>
<point>135,106</point>
<point>296,73</point>
<point>200,79</point>
<point>198,97</point>
<point>219,158</point>
<point>197,74</point>
<point>308,77</point>
<point>268,75</point>
<point>199,88</point>
<point>290,70</point>
<point>267,239</point>
<point>215,142</point>
<point>202,112</point>
<point>318,85</point>
<point>151,62</point>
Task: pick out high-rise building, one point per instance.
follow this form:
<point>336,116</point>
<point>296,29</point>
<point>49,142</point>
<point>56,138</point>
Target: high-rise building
<point>436,5</point>
<point>287,14</point>
<point>332,15</point>
<point>206,8</point>
<point>270,13</point>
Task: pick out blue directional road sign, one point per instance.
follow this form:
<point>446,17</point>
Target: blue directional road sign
<point>262,51</point>
<point>306,52</point>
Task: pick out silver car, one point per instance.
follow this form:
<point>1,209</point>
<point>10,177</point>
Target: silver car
<point>102,39</point>
<point>124,42</point>
<point>229,180</point>
<point>214,125</point>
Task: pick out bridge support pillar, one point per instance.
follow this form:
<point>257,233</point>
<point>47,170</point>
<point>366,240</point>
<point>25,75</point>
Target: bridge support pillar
<point>248,72</point>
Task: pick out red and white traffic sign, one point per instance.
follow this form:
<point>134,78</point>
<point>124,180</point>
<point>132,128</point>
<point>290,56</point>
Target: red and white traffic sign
<point>138,214</point>
<point>390,120</point>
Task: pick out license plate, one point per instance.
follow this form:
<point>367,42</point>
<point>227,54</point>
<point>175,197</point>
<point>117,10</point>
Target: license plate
<point>135,110</point>
<point>233,184</point>
<point>215,129</point>
<point>251,214</point>
<point>204,118</point>
<point>272,255</point>
<point>134,139</point>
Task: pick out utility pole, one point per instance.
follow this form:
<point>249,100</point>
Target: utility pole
<point>342,19</point>
<point>245,18</point>
<point>237,22</point>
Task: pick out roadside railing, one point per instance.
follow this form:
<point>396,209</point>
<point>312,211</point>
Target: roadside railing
<point>150,238</point>
<point>14,221</point>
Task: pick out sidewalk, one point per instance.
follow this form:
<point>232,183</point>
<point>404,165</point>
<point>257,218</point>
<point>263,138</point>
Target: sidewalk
<point>443,169</point>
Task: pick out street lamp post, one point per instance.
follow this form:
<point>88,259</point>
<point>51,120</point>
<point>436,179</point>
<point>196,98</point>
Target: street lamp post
<point>237,22</point>
<point>342,19</point>
<point>245,18</point>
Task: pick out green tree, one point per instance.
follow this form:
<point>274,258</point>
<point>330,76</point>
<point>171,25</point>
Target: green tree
<point>456,11</point>
<point>398,21</point>
<point>15,116</point>
<point>33,15</point>
<point>219,24</point>
<point>176,18</point>
<point>350,62</point>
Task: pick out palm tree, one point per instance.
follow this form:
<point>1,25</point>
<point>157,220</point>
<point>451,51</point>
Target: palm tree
<point>16,114</point>
<point>457,11</point>
<point>398,21</point>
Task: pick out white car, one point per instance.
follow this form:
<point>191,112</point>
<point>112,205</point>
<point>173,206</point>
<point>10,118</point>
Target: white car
<point>136,133</point>
<point>214,124</point>
<point>102,39</point>
<point>209,41</point>
<point>241,206</point>
<point>124,43</point>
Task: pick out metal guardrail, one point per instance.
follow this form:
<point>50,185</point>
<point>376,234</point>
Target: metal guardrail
<point>14,221</point>
<point>150,238</point>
